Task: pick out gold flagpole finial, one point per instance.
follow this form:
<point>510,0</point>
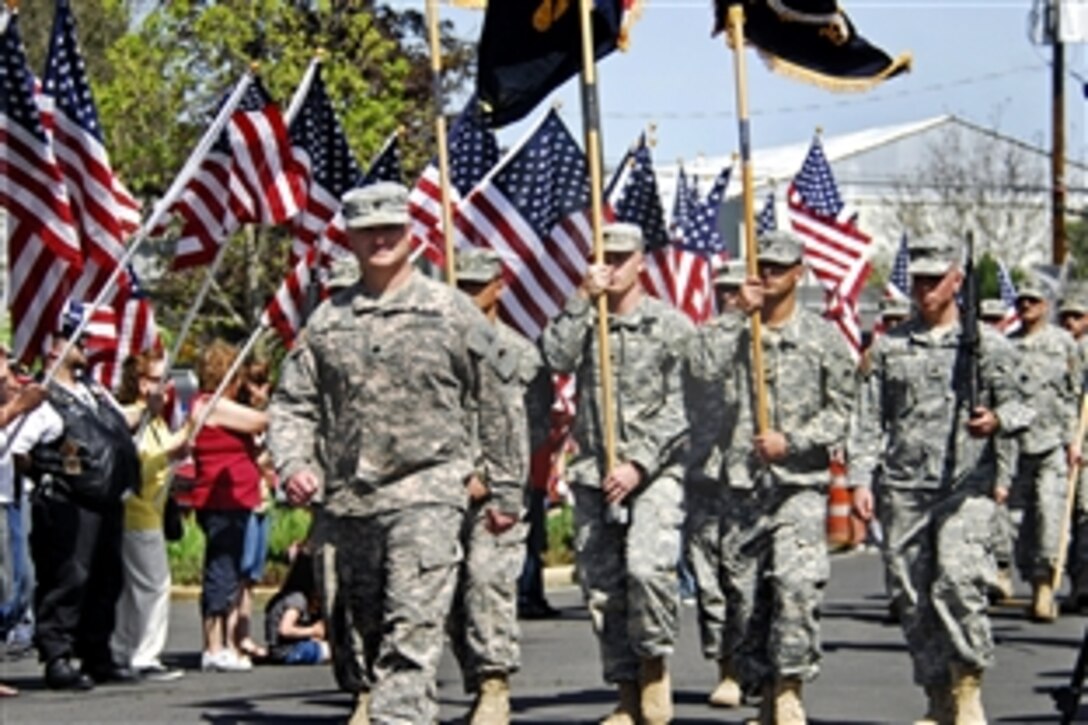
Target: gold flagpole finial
<point>557,105</point>
<point>819,131</point>
<point>320,53</point>
<point>651,134</point>
<point>254,67</point>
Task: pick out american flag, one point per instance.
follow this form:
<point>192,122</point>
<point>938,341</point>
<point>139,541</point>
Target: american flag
<point>139,332</point>
<point>43,246</point>
<point>533,210</point>
<point>322,148</point>
<point>898,286</point>
<point>473,151</point>
<point>386,165</point>
<point>684,201</point>
<point>105,212</point>
<point>766,220</point>
<point>1010,323</point>
<point>286,311</point>
<point>633,197</point>
<point>699,250</point>
<point>249,176</point>
<point>834,249</point>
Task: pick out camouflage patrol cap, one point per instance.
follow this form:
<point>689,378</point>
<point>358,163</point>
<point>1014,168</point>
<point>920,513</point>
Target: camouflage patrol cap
<point>1032,287</point>
<point>622,237</point>
<point>894,307</point>
<point>1074,299</point>
<point>343,272</point>
<point>375,205</point>
<point>780,247</point>
<point>731,274</point>
<point>933,256</point>
<point>478,265</point>
<point>992,309</point>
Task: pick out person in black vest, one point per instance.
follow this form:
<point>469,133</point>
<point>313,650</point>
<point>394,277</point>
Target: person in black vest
<point>77,449</point>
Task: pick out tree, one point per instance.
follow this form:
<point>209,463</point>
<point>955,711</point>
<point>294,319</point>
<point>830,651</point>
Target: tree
<point>972,178</point>
<point>158,85</point>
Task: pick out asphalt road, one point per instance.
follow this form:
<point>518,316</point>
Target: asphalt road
<point>865,678</point>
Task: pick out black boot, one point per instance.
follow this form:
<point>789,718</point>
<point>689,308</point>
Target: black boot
<point>60,675</point>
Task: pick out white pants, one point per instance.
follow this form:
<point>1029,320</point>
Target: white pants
<point>143,611</point>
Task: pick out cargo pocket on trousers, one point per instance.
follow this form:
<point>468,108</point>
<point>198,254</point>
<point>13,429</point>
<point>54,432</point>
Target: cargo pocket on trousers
<point>439,556</point>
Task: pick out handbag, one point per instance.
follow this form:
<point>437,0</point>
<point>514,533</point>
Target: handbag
<point>172,526</point>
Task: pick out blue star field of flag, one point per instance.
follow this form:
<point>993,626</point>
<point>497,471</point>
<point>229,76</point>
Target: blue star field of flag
<point>17,100</point>
<point>66,74</point>
<point>1006,287</point>
<point>816,185</point>
<point>701,233</point>
<point>474,150</point>
<point>386,165</point>
<point>547,178</point>
<point>765,220</point>
<point>683,203</point>
<point>639,202</point>
<point>316,129</point>
<point>899,276</point>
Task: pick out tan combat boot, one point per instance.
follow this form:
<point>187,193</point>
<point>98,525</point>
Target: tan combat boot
<point>655,691</point>
<point>626,712</point>
<point>967,695</point>
<point>1042,601</point>
<point>492,706</point>
<point>788,709</point>
<point>727,693</point>
<point>1002,590</point>
<point>940,710</point>
<point>361,714</point>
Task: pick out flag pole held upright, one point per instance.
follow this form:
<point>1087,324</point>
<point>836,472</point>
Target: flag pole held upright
<point>591,120</point>
<point>441,138</point>
<point>736,39</point>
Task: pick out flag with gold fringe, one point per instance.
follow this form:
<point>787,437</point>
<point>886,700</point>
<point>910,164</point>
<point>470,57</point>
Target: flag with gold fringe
<point>813,41</point>
<point>530,47</point>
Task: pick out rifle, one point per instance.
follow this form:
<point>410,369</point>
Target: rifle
<point>970,341</point>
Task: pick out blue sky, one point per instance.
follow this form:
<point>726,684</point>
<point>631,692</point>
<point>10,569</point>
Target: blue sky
<point>971,58</point>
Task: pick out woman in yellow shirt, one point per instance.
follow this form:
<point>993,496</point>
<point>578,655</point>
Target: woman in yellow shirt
<point>143,611</point>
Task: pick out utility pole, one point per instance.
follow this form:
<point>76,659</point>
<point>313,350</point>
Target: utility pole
<point>1057,152</point>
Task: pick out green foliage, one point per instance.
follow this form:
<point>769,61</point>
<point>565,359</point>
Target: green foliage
<point>289,526</point>
<point>560,523</point>
<point>1076,235</point>
<point>186,556</point>
<point>986,271</point>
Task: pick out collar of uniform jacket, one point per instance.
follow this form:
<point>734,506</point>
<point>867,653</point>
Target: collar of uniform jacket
<point>365,302</point>
<point>642,316</point>
<point>933,336</point>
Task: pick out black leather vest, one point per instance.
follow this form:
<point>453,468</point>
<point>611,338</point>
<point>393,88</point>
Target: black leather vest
<point>94,461</point>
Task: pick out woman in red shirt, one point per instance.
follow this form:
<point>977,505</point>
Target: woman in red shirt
<point>227,490</point>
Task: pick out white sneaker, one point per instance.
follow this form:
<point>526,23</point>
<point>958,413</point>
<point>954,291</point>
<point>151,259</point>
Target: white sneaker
<point>225,660</point>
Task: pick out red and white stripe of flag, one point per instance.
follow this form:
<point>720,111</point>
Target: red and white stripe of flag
<point>541,273</point>
<point>682,278</point>
<point>425,214</point>
<point>285,311</point>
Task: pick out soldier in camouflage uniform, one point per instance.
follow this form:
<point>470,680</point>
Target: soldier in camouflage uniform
<point>375,413</point>
<point>483,623</point>
<point>627,520</point>
<point>1073,314</point>
<point>774,553</point>
<point>894,311</point>
<point>942,467</point>
<point>710,357</point>
<point>1048,378</point>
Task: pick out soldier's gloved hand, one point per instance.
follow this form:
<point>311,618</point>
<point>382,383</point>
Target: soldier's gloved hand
<point>300,488</point>
<point>620,482</point>
<point>771,446</point>
<point>983,423</point>
<point>750,295</point>
<point>597,279</point>
<point>497,521</point>
<point>863,502</point>
<point>477,490</point>
<point>1001,494</point>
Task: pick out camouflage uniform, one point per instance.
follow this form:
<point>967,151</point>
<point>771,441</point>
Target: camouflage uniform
<point>1047,377</point>
<point>483,623</point>
<point>1075,300</point>
<point>709,359</point>
<point>936,503</point>
<point>379,398</point>
<point>774,554</point>
<point>628,572</point>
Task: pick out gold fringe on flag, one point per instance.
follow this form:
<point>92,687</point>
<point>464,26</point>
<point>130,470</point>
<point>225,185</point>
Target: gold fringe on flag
<point>838,84</point>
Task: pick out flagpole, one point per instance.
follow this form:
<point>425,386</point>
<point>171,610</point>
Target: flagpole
<point>440,137</point>
<point>591,120</point>
<point>736,39</point>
